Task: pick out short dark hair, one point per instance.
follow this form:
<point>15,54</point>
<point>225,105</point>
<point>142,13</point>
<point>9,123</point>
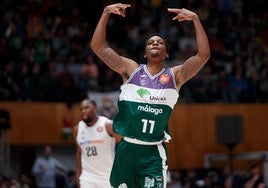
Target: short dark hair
<point>93,102</point>
<point>159,35</point>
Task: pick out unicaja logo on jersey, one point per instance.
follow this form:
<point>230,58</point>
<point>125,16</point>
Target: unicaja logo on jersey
<point>141,92</point>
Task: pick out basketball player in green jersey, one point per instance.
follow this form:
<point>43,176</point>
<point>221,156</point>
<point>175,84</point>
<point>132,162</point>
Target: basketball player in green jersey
<point>146,100</point>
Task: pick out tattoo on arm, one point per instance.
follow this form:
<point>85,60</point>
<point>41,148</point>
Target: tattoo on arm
<point>111,58</point>
<point>190,68</point>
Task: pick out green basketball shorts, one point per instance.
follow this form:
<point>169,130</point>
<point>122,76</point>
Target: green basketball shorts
<point>139,166</point>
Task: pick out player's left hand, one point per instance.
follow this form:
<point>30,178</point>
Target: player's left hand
<point>183,14</point>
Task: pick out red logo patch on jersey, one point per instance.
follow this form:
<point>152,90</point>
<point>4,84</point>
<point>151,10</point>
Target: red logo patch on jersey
<point>164,78</point>
<point>99,129</point>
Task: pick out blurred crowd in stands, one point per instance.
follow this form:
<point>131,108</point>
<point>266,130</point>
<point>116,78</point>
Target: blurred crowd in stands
<point>223,177</point>
<point>45,54</point>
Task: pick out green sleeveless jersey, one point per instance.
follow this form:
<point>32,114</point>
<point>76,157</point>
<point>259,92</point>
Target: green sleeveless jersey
<point>145,104</point>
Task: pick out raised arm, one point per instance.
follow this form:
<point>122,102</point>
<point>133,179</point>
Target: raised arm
<point>122,65</point>
<point>192,65</point>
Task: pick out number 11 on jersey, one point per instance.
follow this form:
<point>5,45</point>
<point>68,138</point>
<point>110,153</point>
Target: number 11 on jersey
<point>149,124</point>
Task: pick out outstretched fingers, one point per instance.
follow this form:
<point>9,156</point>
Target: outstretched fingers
<point>182,14</point>
<point>119,9</point>
<point>122,9</point>
<point>176,11</point>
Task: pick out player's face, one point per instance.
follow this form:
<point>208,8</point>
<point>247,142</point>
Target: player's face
<point>155,47</point>
<point>88,111</point>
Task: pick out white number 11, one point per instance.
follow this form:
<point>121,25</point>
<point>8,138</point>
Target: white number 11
<point>145,123</point>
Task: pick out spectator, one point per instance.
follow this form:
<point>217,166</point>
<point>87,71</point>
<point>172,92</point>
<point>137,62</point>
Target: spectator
<point>25,181</point>
<point>45,169</point>
<point>71,179</point>
<point>255,178</point>
<point>176,179</point>
<point>229,179</point>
